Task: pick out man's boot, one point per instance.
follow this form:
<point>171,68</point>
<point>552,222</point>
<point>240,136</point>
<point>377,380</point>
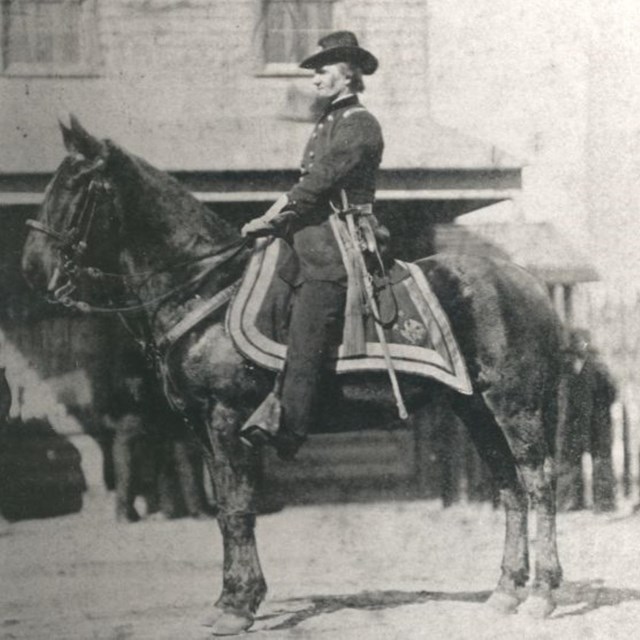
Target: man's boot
<point>264,428</point>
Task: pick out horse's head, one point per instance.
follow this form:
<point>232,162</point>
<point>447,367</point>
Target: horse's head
<point>78,221</point>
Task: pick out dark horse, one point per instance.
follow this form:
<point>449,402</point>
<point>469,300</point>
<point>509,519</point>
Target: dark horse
<point>126,234</point>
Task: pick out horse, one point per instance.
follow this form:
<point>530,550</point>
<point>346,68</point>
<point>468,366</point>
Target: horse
<point>115,228</point>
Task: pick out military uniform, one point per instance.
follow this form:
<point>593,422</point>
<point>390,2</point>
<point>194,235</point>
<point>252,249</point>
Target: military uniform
<point>343,153</point>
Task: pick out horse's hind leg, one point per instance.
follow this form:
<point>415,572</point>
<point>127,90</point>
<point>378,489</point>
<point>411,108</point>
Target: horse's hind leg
<point>233,471</point>
<point>494,450</point>
<point>529,434</point>
<point>540,482</point>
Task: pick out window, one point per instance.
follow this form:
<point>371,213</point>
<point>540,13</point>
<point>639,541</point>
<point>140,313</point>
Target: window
<point>292,29</point>
<point>48,37</point>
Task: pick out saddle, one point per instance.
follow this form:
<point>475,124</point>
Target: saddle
<point>420,340</point>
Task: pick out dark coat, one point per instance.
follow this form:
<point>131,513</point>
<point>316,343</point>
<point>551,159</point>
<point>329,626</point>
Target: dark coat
<point>5,398</point>
<point>344,152</point>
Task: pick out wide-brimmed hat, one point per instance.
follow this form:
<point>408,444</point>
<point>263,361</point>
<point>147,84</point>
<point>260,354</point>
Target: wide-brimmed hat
<point>341,46</point>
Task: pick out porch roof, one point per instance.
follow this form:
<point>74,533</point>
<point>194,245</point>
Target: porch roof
<point>251,159</point>
<point>538,247</point>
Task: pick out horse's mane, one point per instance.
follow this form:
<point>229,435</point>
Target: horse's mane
<point>164,199</point>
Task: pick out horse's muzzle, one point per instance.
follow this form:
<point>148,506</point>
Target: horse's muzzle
<point>34,271</point>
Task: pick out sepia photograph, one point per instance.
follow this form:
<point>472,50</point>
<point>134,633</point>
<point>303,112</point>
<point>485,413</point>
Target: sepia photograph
<point>319,319</point>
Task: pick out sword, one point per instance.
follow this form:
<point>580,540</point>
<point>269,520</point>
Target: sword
<point>371,301</point>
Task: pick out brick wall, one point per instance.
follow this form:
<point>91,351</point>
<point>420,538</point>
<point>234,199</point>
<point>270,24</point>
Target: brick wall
<point>174,73</point>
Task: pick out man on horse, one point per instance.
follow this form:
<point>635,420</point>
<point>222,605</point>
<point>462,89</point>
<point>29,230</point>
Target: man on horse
<point>339,168</point>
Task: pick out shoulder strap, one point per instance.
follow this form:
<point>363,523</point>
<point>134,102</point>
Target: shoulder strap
<point>352,110</point>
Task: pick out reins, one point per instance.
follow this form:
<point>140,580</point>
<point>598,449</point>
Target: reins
<point>218,259</point>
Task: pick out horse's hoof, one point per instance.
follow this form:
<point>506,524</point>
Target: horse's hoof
<point>229,623</point>
<point>502,602</point>
<point>213,617</point>
<point>538,606</point>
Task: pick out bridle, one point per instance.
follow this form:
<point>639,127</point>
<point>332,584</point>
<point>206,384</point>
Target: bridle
<point>73,244</point>
<point>73,241</point>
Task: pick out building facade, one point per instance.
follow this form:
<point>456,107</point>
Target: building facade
<point>486,107</point>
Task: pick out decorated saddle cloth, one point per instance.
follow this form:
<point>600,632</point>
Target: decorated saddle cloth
<point>420,341</point>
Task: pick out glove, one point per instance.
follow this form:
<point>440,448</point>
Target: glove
<point>257,228</point>
<point>276,226</point>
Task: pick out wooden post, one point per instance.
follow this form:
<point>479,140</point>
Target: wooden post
<point>626,459</point>
<point>567,291</point>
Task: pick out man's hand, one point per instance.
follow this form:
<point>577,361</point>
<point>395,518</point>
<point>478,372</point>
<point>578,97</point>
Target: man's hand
<point>274,226</point>
<point>257,228</point>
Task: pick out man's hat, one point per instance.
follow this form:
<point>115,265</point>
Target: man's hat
<point>341,46</point>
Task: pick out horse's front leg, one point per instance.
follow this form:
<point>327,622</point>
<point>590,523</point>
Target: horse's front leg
<point>234,475</point>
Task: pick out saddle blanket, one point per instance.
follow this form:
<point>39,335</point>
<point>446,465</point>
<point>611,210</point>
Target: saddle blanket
<point>420,341</point>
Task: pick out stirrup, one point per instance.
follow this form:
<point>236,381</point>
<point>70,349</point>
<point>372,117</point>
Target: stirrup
<point>286,445</point>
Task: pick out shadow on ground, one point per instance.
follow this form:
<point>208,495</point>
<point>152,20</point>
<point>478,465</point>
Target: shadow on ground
<point>592,595</point>
<point>302,609</point>
<point>586,596</point>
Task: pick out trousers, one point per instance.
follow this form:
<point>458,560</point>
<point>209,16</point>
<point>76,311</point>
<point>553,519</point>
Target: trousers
<point>315,328</point>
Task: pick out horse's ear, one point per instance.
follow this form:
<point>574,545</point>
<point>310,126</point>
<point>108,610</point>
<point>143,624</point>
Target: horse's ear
<point>78,140</point>
<point>67,137</point>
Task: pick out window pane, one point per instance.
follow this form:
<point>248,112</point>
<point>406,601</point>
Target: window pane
<point>69,33</point>
<point>19,47</point>
<point>45,32</point>
<point>293,27</point>
<point>42,24</point>
<point>275,32</point>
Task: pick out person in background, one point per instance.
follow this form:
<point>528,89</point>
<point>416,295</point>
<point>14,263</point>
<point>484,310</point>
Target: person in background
<point>5,398</point>
<point>587,392</point>
<point>155,455</point>
<point>5,407</point>
<point>181,473</point>
<point>134,450</point>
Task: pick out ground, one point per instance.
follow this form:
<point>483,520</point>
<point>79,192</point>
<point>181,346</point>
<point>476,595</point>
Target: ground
<point>389,570</point>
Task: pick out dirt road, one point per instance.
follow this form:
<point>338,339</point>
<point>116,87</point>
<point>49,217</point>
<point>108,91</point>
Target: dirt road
<point>405,570</point>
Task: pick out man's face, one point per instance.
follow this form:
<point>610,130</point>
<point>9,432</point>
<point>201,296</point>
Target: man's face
<point>331,81</point>
<point>134,386</point>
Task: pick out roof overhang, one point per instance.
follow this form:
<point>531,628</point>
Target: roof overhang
<point>457,192</point>
<point>423,161</point>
